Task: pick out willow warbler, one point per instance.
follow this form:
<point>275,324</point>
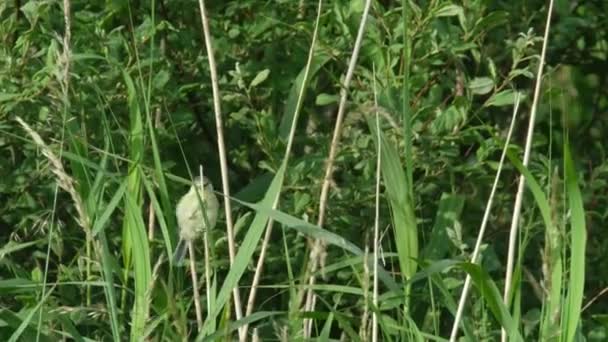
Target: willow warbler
<point>190,218</point>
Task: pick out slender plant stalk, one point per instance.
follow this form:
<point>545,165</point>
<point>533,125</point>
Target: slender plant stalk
<point>520,189</point>
<point>365,284</point>
<point>207,269</point>
<point>67,36</point>
<point>595,298</point>
<point>482,228</point>
<point>260,264</point>
<point>206,249</point>
<point>157,113</point>
<point>223,160</point>
<point>411,232</point>
<point>195,294</point>
<point>301,9</point>
<point>65,84</point>
<point>376,220</point>
<point>333,150</point>
<point>151,221</point>
<point>407,117</point>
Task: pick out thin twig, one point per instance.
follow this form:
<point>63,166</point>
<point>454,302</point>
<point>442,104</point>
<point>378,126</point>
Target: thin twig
<point>195,295</point>
<point>222,152</point>
<point>482,228</point>
<point>151,221</point>
<point>363,330</point>
<point>66,44</point>
<point>376,219</point>
<point>206,246</point>
<point>520,190</point>
<point>596,297</point>
<point>301,9</point>
<point>292,131</point>
<point>333,150</point>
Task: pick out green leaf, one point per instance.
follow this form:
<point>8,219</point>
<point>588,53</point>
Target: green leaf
<point>316,232</point>
<point>521,72</point>
<point>481,85</point>
<point>488,290</point>
<point>32,10</point>
<point>537,192</point>
<point>8,97</point>
<point>450,208</point>
<point>448,120</point>
<point>401,204</point>
<point>325,99</point>
<point>503,98</point>
<point>142,272</point>
<point>12,246</point>
<point>101,221</point>
<point>224,334</point>
<point>135,242</point>
<point>160,79</point>
<point>259,78</point>
<point>489,21</point>
<point>27,316</point>
<point>318,61</point>
<point>449,11</point>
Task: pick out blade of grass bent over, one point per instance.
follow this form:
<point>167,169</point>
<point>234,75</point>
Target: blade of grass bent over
<point>317,232</point>
<point>489,291</point>
<point>484,222</point>
<point>245,252</point>
<point>309,303</point>
<point>297,106</point>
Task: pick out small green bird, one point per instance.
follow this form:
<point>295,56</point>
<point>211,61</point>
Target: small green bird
<point>190,218</point>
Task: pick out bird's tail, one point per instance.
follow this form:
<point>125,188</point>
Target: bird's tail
<point>180,252</point>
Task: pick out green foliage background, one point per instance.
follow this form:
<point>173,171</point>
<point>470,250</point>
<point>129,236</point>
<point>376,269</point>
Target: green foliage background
<point>136,117</point>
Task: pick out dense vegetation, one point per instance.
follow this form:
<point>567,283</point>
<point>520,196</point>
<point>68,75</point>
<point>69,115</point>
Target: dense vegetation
<point>106,113</point>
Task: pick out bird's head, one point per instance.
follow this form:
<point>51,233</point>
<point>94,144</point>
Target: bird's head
<point>204,181</point>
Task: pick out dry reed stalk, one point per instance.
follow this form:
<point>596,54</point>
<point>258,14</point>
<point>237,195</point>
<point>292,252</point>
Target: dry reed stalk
<point>317,251</point>
<point>520,189</point>
<point>223,160</point>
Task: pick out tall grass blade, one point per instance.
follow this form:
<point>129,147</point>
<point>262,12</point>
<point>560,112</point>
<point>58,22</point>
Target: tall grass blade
<point>142,272</point>
<point>404,220</point>
<point>488,290</point>
<point>245,252</point>
<point>224,334</point>
<point>135,240</point>
<point>107,261</point>
<point>578,241</point>
<point>319,233</point>
<point>553,268</point>
<point>25,323</point>
<point>162,218</point>
<point>103,219</point>
<point>108,264</point>
<point>535,188</point>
